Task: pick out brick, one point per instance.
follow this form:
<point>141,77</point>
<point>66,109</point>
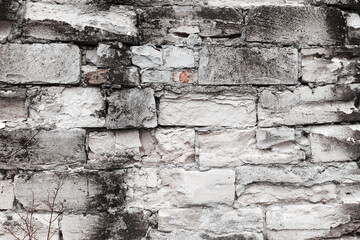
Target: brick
<point>113,55</point>
<point>305,176</point>
<point>296,25</point>
<point>232,66</point>
<point>5,29</point>
<point>353,26</point>
<point>331,103</point>
<point>296,234</point>
<point>129,224</point>
<point>239,147</point>
<point>40,63</point>
<point>338,3</point>
<point>146,56</point>
<point>67,107</point>
<point>177,57</point>
<point>213,220</point>
<point>169,77</point>
<point>270,194</point>
<point>270,137</point>
<point>181,234</point>
<point>32,149</point>
<point>165,25</point>
<point>208,107</point>
<point>334,143</point>
<point>7,196</point>
<point>330,65</point>
<point>131,108</point>
<point>349,194</point>
<point>111,77</point>
<point>305,217</point>
<point>9,9</point>
<point>40,223</point>
<point>70,22</point>
<point>12,105</point>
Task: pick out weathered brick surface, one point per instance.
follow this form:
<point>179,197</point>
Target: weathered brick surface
<point>7,196</point>
<point>12,105</point>
<point>9,9</point>
<point>231,66</point>
<point>353,25</point>
<point>131,108</point>
<point>76,23</point>
<point>330,65</point>
<point>40,149</point>
<point>54,63</point>
<point>204,108</point>
<point>290,25</point>
<point>332,103</point>
<point>5,29</point>
<point>67,107</point>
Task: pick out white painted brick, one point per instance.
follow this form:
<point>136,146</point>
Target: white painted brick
<point>334,143</point>
<point>236,109</point>
<point>213,220</point>
<point>146,56</point>
<point>269,137</point>
<point>228,148</point>
<point>268,194</point>
<point>353,24</point>
<point>12,105</point>
<point>295,234</point>
<point>67,108</point>
<point>177,57</point>
<point>7,196</point>
<point>40,63</point>
<point>349,194</point>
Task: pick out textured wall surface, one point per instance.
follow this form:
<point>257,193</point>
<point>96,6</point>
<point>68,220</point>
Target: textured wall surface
<point>181,119</point>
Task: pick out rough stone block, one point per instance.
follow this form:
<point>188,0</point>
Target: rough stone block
<point>67,108</point>
<point>9,9</point>
<point>113,55</point>
<point>331,103</point>
<point>33,149</point>
<point>181,234</point>
<point>232,66</point>
<point>270,194</point>
<point>39,64</point>
<point>12,105</point>
<point>177,57</point>
<point>209,107</point>
<point>128,224</point>
<point>164,25</point>
<point>7,196</point>
<point>71,22</point>
<point>169,77</point>
<point>306,217</point>
<point>334,143</point>
<point>111,77</point>
<point>346,4</point>
<point>146,56</point>
<point>213,220</point>
<point>239,147</point>
<point>297,234</point>
<point>131,108</point>
<point>353,25</point>
<point>296,25</point>
<point>349,194</point>
<point>306,175</point>
<point>331,65</point>
<point>269,137</point>
<point>5,29</point>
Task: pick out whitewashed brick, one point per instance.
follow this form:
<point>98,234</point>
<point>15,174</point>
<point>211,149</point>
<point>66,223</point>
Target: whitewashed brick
<point>353,24</point>
<point>213,220</point>
<point>12,105</point>
<point>221,108</point>
<point>7,196</point>
<point>349,194</point>
<point>332,103</point>
<point>330,65</point>
<point>269,137</point>
<point>334,143</point>
<point>67,108</point>
<point>228,148</point>
<point>78,23</point>
<point>177,57</point>
<point>146,56</point>
<point>270,194</point>
<point>40,63</point>
<point>79,227</point>
<point>305,217</point>
<point>295,234</point>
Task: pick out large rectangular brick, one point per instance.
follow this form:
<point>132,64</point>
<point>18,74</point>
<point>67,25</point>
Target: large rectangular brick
<point>155,189</point>
<point>231,66</point>
<point>170,146</point>
<point>39,63</point>
<point>164,25</point>
<point>353,26</point>
<point>334,143</point>
<point>41,149</point>
<point>330,65</point>
<point>209,107</point>
<point>67,107</point>
<point>181,234</point>
<point>296,234</point>
<point>71,22</point>
<point>131,108</point>
<point>7,196</point>
<point>270,194</point>
<point>292,25</point>
<point>13,105</point>
<point>213,220</point>
<point>327,104</point>
<point>239,147</point>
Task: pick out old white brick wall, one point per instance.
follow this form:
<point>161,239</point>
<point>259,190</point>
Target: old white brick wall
<point>181,119</point>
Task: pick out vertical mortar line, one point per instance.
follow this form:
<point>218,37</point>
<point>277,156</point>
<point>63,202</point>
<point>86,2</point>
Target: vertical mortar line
<point>243,32</point>
<point>264,208</point>
<point>197,149</point>
<point>86,144</point>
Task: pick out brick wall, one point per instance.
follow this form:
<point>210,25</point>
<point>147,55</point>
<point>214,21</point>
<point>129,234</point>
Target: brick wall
<point>181,119</point>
